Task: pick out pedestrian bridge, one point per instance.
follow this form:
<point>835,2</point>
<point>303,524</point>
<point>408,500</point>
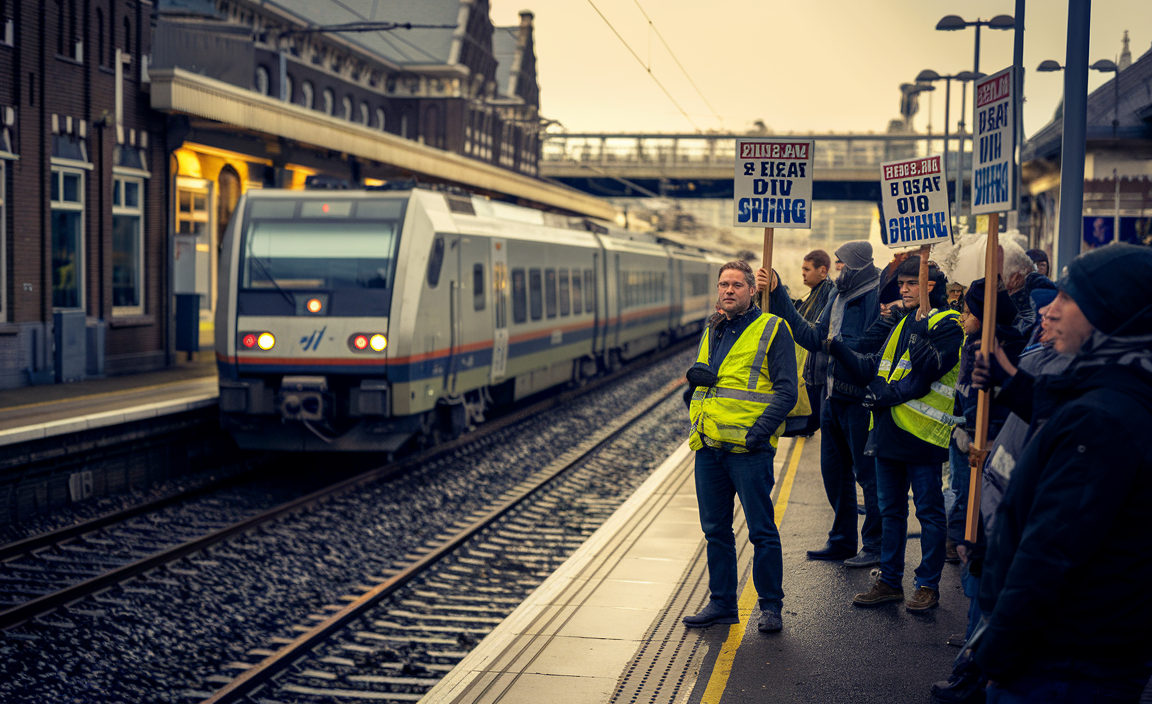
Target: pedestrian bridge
<point>846,166</point>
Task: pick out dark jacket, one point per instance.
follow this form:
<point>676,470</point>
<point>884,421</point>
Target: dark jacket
<point>859,314</point>
<point>812,307</point>
<point>967,397</point>
<point>934,353</point>
<point>1069,561</point>
<point>1026,311</point>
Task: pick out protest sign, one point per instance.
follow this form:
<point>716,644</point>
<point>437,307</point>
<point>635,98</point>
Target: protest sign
<point>994,146</point>
<point>773,184</point>
<point>915,201</point>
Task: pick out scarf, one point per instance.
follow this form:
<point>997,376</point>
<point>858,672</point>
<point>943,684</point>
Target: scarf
<point>1129,350</point>
<point>850,285</point>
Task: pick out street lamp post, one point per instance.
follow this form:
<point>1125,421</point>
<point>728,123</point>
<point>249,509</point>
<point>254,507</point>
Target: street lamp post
<point>953,23</point>
<point>930,76</point>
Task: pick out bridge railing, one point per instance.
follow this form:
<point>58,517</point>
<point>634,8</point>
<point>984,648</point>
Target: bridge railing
<point>833,151</point>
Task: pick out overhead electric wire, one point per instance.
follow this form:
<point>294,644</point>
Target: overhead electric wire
<point>646,68</point>
<point>684,70</point>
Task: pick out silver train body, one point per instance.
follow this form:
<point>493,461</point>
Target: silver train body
<point>357,321</point>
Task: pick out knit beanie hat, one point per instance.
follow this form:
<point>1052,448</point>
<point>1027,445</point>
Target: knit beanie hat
<point>1111,285</point>
<point>1005,308</point>
<point>855,255</point>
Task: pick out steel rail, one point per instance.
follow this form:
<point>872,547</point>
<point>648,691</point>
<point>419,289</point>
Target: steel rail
<point>272,665</point>
<point>16,615</point>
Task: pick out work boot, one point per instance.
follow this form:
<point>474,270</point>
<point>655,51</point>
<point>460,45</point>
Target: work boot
<point>770,621</point>
<point>711,614</point>
<point>950,554</point>
<point>832,552</point>
<point>866,558</point>
<point>922,599</point>
<point>879,593</point>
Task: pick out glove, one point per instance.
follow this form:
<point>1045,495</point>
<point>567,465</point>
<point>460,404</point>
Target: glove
<point>701,375</point>
<point>962,440</point>
<point>754,440</point>
<point>874,394</point>
<point>987,374</point>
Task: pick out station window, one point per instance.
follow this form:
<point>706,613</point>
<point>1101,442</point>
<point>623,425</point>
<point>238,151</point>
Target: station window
<point>536,304</point>
<point>590,290</point>
<point>329,101</point>
<point>478,287</point>
<point>67,201</point>
<point>380,119</point>
<point>307,94</point>
<point>519,297</point>
<point>262,80</point>
<point>435,262</point>
<point>127,246</point>
<point>550,292</point>
<point>499,289</point>
<point>3,241</point>
<point>346,108</point>
<point>565,295</point>
<point>577,296</point>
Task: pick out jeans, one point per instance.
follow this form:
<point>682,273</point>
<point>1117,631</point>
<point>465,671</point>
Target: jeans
<point>843,435</point>
<point>1049,689</point>
<point>971,585</point>
<point>961,476</point>
<point>720,477</point>
<point>893,478</point>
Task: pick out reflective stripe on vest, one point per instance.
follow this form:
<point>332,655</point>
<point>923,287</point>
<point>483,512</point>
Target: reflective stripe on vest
<point>727,411</point>
<point>928,418</point>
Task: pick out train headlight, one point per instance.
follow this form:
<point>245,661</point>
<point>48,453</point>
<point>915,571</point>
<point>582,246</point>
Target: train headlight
<point>249,340</point>
<point>265,341</point>
<point>378,342</point>
<point>314,305</point>
<point>360,342</point>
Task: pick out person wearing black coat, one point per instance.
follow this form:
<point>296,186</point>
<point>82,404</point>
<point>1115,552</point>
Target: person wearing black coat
<point>1069,563</point>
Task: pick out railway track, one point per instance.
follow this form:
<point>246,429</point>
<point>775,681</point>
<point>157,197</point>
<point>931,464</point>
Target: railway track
<point>397,638</point>
<point>45,572</point>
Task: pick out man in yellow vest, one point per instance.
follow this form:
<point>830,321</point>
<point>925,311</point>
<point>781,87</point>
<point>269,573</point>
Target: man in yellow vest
<point>911,385</point>
<point>743,387</point>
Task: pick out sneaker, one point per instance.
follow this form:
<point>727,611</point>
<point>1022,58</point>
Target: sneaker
<point>880,593</point>
<point>866,558</point>
<point>950,554</point>
<point>832,552</point>
<point>770,621</point>
<point>711,614</point>
<point>922,599</point>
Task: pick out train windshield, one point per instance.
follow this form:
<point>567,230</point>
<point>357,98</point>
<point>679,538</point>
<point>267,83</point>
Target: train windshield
<point>311,244</point>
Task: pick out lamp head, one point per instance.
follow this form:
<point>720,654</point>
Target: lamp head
<point>966,76</point>
<point>1049,65</point>
<point>951,23</point>
<point>1104,65</point>
<point>927,76</point>
<point>1002,22</point>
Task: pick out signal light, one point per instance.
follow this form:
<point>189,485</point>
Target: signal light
<point>367,342</point>
<point>314,305</point>
<point>360,342</point>
<point>265,341</point>
<point>249,340</point>
<point>378,342</point>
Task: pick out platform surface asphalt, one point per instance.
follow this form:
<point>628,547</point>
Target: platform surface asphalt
<point>34,405</point>
<point>831,651</point>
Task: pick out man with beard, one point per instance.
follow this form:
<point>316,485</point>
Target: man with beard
<point>851,311</point>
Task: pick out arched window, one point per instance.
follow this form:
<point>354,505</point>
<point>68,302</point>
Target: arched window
<point>60,28</point>
<point>261,80</point>
<point>364,114</point>
<point>111,35</point>
<point>346,108</point>
<point>380,119</point>
<point>286,95</point>
<point>307,94</point>
<point>100,56</point>
<point>72,30</point>
<point>127,37</point>
<point>329,101</point>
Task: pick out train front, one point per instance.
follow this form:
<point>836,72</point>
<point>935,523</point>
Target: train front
<point>305,289</point>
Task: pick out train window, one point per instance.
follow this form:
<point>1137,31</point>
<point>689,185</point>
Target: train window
<point>435,262</point>
<point>590,290</point>
<point>577,296</point>
<point>519,297</point>
<point>478,287</point>
<point>550,292</point>
<point>564,292</point>
<point>535,304</point>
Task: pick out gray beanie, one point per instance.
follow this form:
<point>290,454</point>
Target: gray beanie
<point>855,255</point>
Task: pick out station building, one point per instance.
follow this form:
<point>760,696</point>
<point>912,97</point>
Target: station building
<point>1117,167</point>
<point>131,128</point>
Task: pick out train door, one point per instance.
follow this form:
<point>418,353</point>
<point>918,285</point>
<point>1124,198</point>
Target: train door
<point>619,302</point>
<point>499,317</point>
<point>471,321</point>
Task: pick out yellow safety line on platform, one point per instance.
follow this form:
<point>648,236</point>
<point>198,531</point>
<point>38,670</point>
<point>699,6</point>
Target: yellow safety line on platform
<point>723,668</point>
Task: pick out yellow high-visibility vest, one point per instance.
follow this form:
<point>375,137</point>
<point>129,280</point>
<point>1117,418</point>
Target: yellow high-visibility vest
<point>724,413</point>
<point>930,416</point>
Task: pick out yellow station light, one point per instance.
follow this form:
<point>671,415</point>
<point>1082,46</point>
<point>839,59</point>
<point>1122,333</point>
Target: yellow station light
<point>266,341</point>
<point>378,342</point>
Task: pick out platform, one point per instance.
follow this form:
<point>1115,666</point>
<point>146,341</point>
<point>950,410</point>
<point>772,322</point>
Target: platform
<point>37,412</point>
<point>605,627</point>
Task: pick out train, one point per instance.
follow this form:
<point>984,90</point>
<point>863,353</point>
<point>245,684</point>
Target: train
<point>362,321</point>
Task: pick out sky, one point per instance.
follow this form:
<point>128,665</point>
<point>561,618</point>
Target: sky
<point>833,65</point>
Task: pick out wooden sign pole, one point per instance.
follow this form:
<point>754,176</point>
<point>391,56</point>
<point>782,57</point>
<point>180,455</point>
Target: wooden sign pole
<point>925,306</point>
<point>979,449</point>
<point>766,261</point>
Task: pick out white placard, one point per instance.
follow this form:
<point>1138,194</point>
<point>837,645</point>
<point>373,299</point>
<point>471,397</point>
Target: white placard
<point>773,184</point>
<point>994,147</point>
<point>915,202</point>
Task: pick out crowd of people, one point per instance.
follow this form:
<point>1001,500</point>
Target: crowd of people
<point>1053,556</point>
